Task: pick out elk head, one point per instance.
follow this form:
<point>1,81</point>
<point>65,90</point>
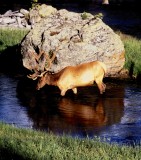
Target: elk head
<point>43,80</point>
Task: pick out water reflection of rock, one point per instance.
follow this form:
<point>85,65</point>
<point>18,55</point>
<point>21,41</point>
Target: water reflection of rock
<point>88,111</point>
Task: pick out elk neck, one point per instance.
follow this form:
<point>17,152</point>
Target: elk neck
<point>52,79</point>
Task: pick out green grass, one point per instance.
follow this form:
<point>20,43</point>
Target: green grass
<point>11,37</point>
<point>132,54</point>
<point>29,144</point>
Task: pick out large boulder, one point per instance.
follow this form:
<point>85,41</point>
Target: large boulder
<point>74,38</point>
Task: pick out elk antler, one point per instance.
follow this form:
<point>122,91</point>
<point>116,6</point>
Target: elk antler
<point>37,74</point>
<point>33,76</point>
<point>35,55</point>
<point>49,61</point>
<point>36,69</point>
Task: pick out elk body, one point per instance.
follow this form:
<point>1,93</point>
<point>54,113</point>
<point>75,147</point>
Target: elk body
<point>72,77</point>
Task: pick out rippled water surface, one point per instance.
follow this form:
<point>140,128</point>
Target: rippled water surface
<point>116,115</point>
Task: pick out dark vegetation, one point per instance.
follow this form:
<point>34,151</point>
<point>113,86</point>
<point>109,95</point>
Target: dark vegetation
<point>10,57</point>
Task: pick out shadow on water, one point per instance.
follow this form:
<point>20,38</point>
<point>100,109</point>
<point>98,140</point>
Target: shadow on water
<point>11,61</point>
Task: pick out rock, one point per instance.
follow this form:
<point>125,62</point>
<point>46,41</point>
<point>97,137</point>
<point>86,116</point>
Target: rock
<point>75,38</point>
<point>19,15</point>
<point>19,22</point>
<point>24,11</point>
<point>34,17</point>
<point>8,20</point>
<point>8,13</point>
<point>16,19</point>
<point>39,12</point>
<point>46,10</point>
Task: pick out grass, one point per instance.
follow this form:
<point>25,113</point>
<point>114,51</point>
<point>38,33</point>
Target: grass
<point>33,145</point>
<point>133,54</point>
<point>11,37</point>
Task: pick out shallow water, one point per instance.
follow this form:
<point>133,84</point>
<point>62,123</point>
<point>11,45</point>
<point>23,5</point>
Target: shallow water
<point>114,116</point>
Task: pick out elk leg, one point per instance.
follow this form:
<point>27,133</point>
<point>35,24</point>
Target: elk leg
<point>74,90</point>
<point>63,92</point>
<point>104,87</point>
<point>100,86</point>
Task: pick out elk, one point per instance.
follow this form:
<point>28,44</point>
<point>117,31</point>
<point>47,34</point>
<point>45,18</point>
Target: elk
<point>72,77</point>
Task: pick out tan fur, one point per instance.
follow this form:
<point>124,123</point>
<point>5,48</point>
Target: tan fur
<point>72,77</point>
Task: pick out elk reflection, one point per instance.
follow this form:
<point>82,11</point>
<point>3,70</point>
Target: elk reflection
<point>85,112</point>
<point>82,114</point>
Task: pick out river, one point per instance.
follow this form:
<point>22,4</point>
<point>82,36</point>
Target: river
<point>114,116</point>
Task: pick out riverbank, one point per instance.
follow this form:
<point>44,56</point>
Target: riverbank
<point>28,144</point>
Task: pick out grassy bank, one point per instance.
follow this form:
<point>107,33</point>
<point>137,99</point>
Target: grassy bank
<point>11,37</point>
<point>133,54</point>
<point>27,144</point>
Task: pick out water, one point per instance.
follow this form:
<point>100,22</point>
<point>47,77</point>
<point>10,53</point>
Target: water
<point>114,116</point>
<point>11,111</point>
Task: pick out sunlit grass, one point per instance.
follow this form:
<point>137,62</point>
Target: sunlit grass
<point>11,37</point>
<point>28,144</point>
<point>132,54</point>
